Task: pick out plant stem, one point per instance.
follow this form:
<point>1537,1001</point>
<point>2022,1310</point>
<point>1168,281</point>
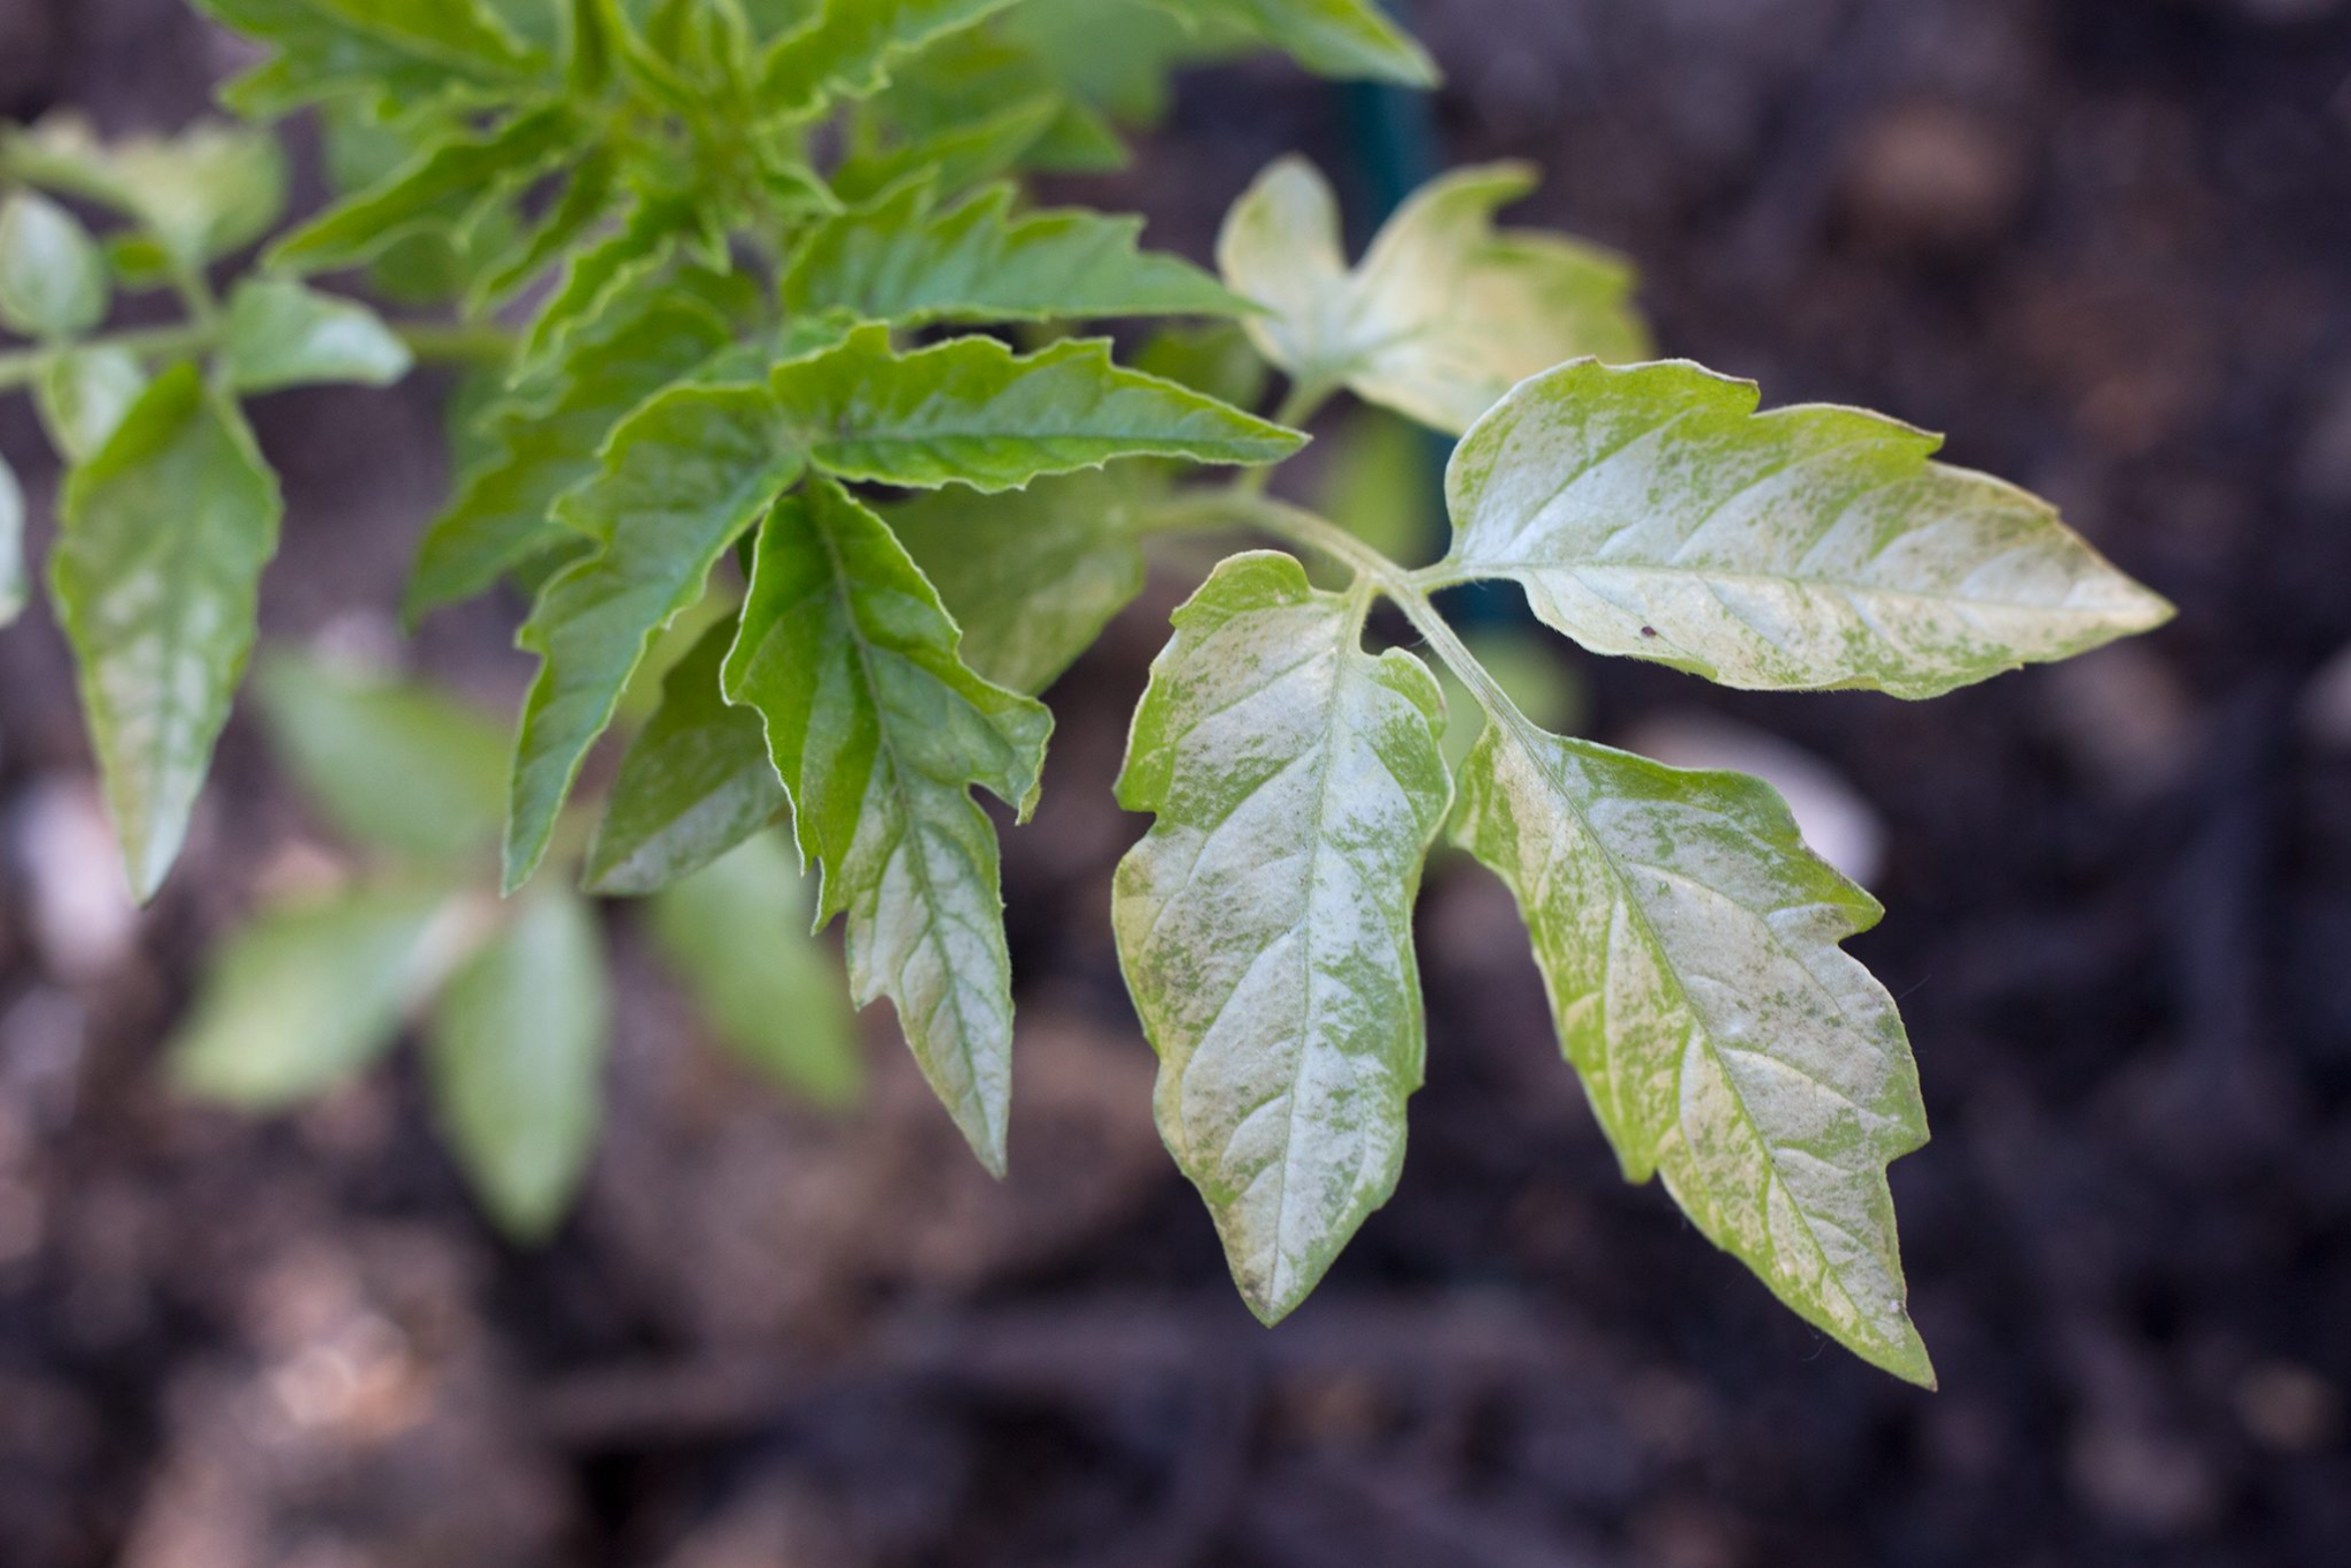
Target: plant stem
<point>1301,403</point>
<point>432,341</point>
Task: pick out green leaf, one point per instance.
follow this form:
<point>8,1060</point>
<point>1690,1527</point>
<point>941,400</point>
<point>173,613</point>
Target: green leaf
<point>410,49</point>
<point>962,155</point>
<point>203,193</point>
<point>13,588</point>
<point>1216,359</point>
<point>970,411</point>
<point>682,477</point>
<point>504,512</point>
<point>878,730</point>
<point>388,762</point>
<point>737,934</point>
<point>1265,921</point>
<point>281,334</point>
<point>53,276</point>
<point>847,51</point>
<point>1650,512</point>
<point>1446,314</point>
<point>1032,575</point>
<point>1118,55</point>
<point>587,197</point>
<point>1348,38</point>
<point>696,781</point>
<point>903,260</point>
<point>308,994</point>
<point>516,1060</point>
<point>1688,942</point>
<point>472,167</point>
<point>602,273</point>
<point>157,574</point>
<point>83,396</point>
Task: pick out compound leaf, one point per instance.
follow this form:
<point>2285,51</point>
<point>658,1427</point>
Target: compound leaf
<point>1348,38</point>
<point>903,260</point>
<point>504,512</point>
<point>737,934</point>
<point>696,781</point>
<point>1650,512</point>
<point>388,762</point>
<point>878,729</point>
<point>156,572</point>
<point>682,477</point>
<point>53,276</point>
<point>970,411</point>
<point>1264,922</point>
<point>1446,314</point>
<point>1689,942</point>
<point>281,334</point>
<point>1032,575</point>
<point>308,994</point>
<point>516,1061</point>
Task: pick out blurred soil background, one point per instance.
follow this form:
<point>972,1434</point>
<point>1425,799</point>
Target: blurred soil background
<point>2105,243</point>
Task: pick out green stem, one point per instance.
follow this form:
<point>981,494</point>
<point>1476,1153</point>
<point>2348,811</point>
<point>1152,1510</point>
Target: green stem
<point>431,342</point>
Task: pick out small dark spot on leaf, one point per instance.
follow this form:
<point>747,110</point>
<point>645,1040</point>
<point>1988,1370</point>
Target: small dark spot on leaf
<point>1649,630</point>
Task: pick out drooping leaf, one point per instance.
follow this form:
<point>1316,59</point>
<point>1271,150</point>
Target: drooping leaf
<point>410,49</point>
<point>84,393</point>
<point>156,575</point>
<point>281,334</point>
<point>601,273</point>
<point>737,934</point>
<point>1688,942</point>
<point>504,512</point>
<point>207,191</point>
<point>878,729</point>
<point>903,260</point>
<point>52,277</point>
<point>1349,39</point>
<point>970,411</point>
<point>696,783</point>
<point>682,477</point>
<point>1446,314</point>
<point>1650,512</point>
<point>467,167</point>
<point>309,994</point>
<point>388,762</point>
<point>587,197</point>
<point>1265,921</point>
<point>13,587</point>
<point>516,1060</point>
<point>1032,575</point>
<point>847,50</point>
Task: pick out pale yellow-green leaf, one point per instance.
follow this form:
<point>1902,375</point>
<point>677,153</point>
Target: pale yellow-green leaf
<point>1265,922</point>
<point>52,277</point>
<point>1445,315</point>
<point>1647,510</point>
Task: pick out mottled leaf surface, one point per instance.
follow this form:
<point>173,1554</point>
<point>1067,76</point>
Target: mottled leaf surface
<point>209,190</point>
<point>1688,942</point>
<point>737,934</point>
<point>52,277</point>
<point>972,412</point>
<point>281,334</point>
<point>880,730</point>
<point>1265,921</point>
<point>515,1061</point>
<point>1649,510</point>
<point>1032,575</point>
<point>685,476</point>
<point>696,781</point>
<point>903,259</point>
<point>156,575</point>
<point>1445,315</point>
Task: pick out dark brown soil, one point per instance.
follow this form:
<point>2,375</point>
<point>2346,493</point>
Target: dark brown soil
<point>2105,243</point>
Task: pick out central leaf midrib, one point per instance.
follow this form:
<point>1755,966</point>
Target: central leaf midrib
<point>910,828</point>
